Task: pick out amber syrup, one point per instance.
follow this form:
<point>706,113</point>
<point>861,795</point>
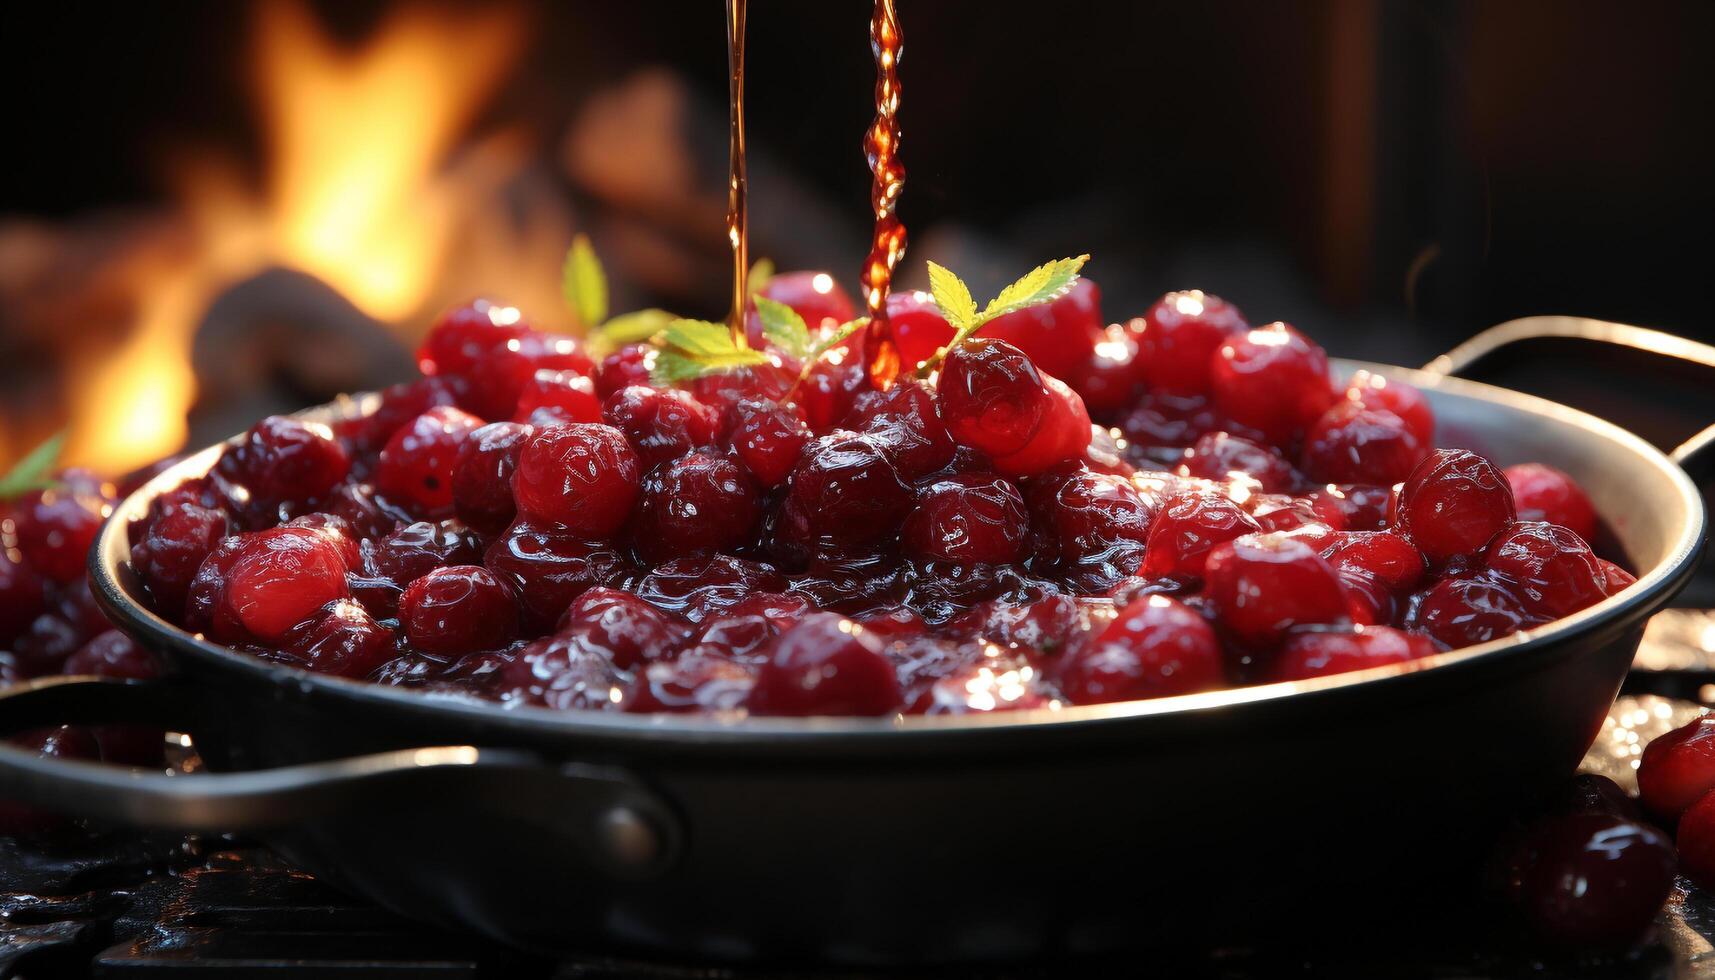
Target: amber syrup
<point>881,149</point>
<point>737,218</point>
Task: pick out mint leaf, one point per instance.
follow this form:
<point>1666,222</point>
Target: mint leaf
<point>783,327</point>
<point>759,275</point>
<point>826,342</point>
<point>584,283</point>
<point>697,348</point>
<point>952,296</point>
<point>31,472</point>
<point>629,328</point>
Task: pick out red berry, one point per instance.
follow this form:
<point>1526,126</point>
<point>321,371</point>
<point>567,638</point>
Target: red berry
<point>970,518</point>
<point>1677,769</point>
<point>1111,381</point>
<point>1453,504</point>
<point>459,609</point>
<point>416,467</point>
<point>1554,571</point>
<point>816,297</point>
<point>492,386</point>
<point>1272,379</point>
<point>55,529</point>
<point>1219,456</point>
<point>1168,421</point>
<point>1155,647</point>
<point>660,423</point>
<point>398,406</point>
<point>1382,393</point>
<point>565,673</point>
<point>904,422</point>
<point>286,464</point>
<point>826,665</point>
<point>919,329</point>
<point>1190,523</point>
<point>482,475</point>
<point>414,550</point>
<point>693,681</point>
<point>1317,653</point>
<point>630,365</point>
<point>1264,584</point>
<point>833,387</point>
<point>279,578</point>
<point>1354,444</point>
<point>844,492</point>
<point>467,334</point>
<point>1092,526</point>
<point>369,515</point>
<point>566,396</point>
<point>1543,493</point>
<point>1393,560</point>
<point>1350,507</point>
<point>578,475</point>
<point>1615,578</point>
<point>1060,336</point>
<point>1462,612</point>
<point>1178,337</point>
<point>21,595</point>
<point>113,654</point>
<point>1594,880</point>
<point>994,400</point>
<point>768,439</point>
<point>205,607</point>
<point>337,532</point>
<point>343,640</point>
<point>700,502</point>
<point>705,585</point>
<point>1697,841</point>
<point>1043,626</point>
<point>627,629</point>
<point>548,567</point>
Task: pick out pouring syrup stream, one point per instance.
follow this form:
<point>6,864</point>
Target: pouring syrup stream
<point>881,148</point>
<point>737,218</point>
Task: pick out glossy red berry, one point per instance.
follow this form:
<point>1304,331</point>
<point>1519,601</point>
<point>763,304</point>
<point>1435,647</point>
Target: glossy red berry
<point>1219,456</point>
<point>113,654</point>
<point>397,406</point>
<point>580,476</point>
<point>969,518</point>
<point>416,467</point>
<point>1677,769</point>
<point>1696,840</point>
<point>994,400</point>
<point>630,365</point>
<point>693,681</point>
<point>828,394</point>
<point>281,577</point>
<point>482,475</point>
<point>343,639</point>
<point>456,610</point>
<point>285,462</point>
<point>547,567</point>
<point>826,665</point>
<point>1155,647</point>
<point>904,421</point>
<point>1462,612</point>
<point>55,529</point>
<point>1190,523</point>
<point>564,673</point>
<point>1594,880</point>
<point>1178,337</point>
<point>1318,653</point>
<point>845,492</point>
<point>699,502</point>
<point>22,598</point>
<point>1091,524</point>
<point>1350,443</point>
<point>1543,493</point>
<point>1264,584</point>
<point>919,329</point>
<point>1351,507</point>
<point>768,439</point>
<point>1387,555</point>
<point>491,387</point>
<point>1169,421</point>
<point>1615,578</point>
<point>1380,392</point>
<point>628,630</point>
<point>660,423</point>
<point>467,334</point>
<point>1060,336</point>
<point>565,396</point>
<point>1453,504</point>
<point>996,681</point>
<point>1044,626</point>
<point>337,532</point>
<point>815,296</point>
<point>1272,379</point>
<point>1554,571</point>
<point>706,585</point>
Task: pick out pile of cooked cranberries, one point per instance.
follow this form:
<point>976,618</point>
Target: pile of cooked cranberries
<point>529,524</point>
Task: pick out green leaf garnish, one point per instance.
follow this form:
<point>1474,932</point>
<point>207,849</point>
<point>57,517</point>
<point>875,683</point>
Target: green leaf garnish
<point>1043,284</point>
<point>693,349</point>
<point>783,327</point>
<point>584,283</point>
<point>637,327</point>
<point>31,472</point>
<point>759,275</point>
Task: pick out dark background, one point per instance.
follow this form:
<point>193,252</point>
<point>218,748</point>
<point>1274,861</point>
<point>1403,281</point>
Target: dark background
<point>1390,175</point>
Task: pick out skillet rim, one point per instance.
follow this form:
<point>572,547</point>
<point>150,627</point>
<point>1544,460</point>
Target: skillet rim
<point>1615,613</point>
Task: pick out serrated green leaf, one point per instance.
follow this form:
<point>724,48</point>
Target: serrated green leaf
<point>1043,284</point>
<point>629,328</point>
<point>697,348</point>
<point>31,472</point>
<point>836,337</point>
<point>759,275</point>
<point>784,327</point>
<point>952,296</point>
<point>584,283</point>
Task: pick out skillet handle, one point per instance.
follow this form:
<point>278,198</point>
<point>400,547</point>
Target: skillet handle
<point>1696,455</point>
<point>625,828</point>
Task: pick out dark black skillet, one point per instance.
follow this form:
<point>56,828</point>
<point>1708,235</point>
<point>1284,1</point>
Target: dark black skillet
<point>907,839</point>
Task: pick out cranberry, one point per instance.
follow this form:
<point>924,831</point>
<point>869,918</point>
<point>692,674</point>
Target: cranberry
<point>1696,840</point>
<point>1043,626</point>
<point>1178,337</point>
<point>564,673</point>
<point>547,567</point>
<point>919,329</point>
<point>55,530</point>
<point>493,385</point>
<point>285,463</point>
<point>1264,584</point>
<point>167,555</point>
<point>1219,456</point>
<point>1169,421</point>
<point>1554,570</point>
<point>660,423</point>
<point>969,518</point>
<point>21,595</point>
<point>1279,512</point>
<point>1059,336</point>
<point>845,491</point>
<point>1387,555</point>
<point>113,654</point>
<point>342,640</point>
<point>580,476</point>
<point>369,515</point>
<point>763,381</point>
<point>1272,379</point>
<point>1190,523</point>
<point>1543,493</point>
<point>279,578</point>
<point>629,630</point>
<point>1462,612</point>
<point>205,598</point>
<point>415,550</point>
<point>768,439</point>
<point>833,387</point>
<point>1379,392</point>
<point>1453,504</point>
<point>1354,444</point>
<point>482,476</point>
<point>565,395</point>
<point>337,532</point>
<point>1092,522</point>
<point>1111,381</point>
<point>815,296</point>
<point>701,586</point>
<point>903,421</point>
<point>398,405</point>
<point>456,610</point>
<point>630,365</point>
<point>699,502</point>
<point>994,400</point>
<point>1615,578</point>
<point>1594,880</point>
<point>1155,647</point>
<point>890,621</point>
<point>1316,653</point>
<point>1351,507</point>
<point>693,681</point>
<point>467,334</point>
<point>826,665</point>
<point>64,742</point>
<point>416,467</point>
<point>1678,768</point>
